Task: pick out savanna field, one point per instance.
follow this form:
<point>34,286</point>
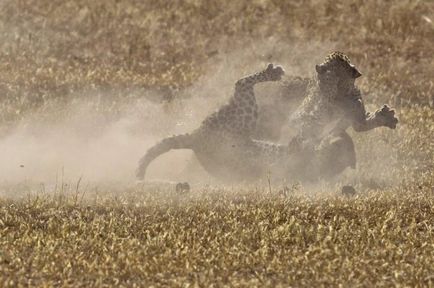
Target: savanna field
<point>87,86</point>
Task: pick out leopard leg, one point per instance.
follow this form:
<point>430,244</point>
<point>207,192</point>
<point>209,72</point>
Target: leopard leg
<point>243,104</point>
<point>335,154</point>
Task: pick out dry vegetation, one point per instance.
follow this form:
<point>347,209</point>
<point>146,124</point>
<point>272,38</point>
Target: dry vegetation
<point>51,51</point>
<point>220,237</point>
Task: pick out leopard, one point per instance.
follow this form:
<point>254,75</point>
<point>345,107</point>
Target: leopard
<point>277,103</point>
<point>333,104</point>
<point>223,143</point>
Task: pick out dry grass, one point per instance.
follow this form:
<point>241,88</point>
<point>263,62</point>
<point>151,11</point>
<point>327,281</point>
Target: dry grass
<point>50,51</point>
<point>220,237</point>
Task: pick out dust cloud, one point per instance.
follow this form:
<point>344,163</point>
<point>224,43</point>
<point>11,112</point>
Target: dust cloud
<point>81,142</point>
<point>88,145</point>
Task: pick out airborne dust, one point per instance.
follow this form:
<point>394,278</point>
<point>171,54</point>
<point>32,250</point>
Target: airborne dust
<point>75,140</point>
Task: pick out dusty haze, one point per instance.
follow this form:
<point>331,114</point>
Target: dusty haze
<point>84,92</point>
<point>74,139</point>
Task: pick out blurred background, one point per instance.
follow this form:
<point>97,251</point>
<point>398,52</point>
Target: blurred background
<point>50,49</point>
<point>67,68</point>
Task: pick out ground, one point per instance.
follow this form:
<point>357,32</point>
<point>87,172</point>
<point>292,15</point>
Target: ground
<point>104,57</point>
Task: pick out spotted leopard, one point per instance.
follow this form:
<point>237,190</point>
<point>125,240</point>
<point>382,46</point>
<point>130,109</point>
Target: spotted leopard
<point>223,143</point>
<point>333,104</point>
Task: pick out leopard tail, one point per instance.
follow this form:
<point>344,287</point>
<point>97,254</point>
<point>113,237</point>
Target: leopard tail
<point>184,141</point>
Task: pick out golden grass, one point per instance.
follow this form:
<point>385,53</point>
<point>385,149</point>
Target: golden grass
<point>52,48</point>
<point>220,237</point>
<point>242,236</point>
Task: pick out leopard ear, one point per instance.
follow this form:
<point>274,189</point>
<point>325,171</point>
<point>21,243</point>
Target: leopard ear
<point>356,73</point>
<point>320,69</point>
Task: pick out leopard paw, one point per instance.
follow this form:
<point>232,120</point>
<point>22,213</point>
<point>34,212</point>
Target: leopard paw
<point>275,72</point>
<point>386,116</point>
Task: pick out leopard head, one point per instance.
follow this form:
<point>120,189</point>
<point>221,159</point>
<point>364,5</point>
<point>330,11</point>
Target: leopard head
<point>338,64</point>
<point>336,74</point>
